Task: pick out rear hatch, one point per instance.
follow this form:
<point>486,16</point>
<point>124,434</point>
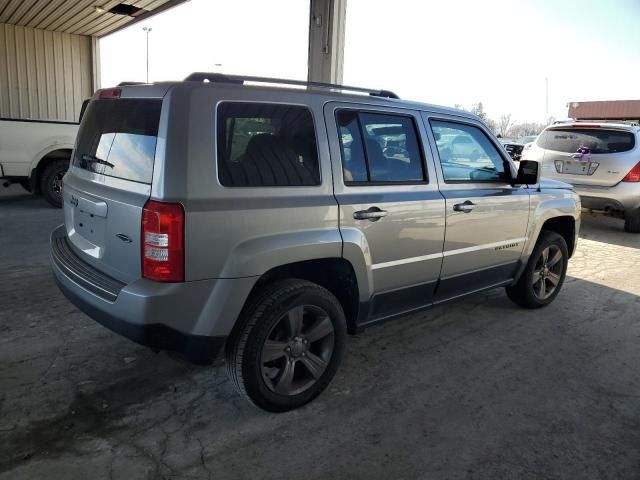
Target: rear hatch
<point>110,181</point>
<point>589,154</point>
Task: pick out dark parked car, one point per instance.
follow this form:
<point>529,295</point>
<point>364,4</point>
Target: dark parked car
<point>515,147</point>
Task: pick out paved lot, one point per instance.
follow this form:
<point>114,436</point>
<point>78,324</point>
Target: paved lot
<point>478,389</point>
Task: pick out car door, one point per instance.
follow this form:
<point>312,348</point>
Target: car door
<point>391,211</point>
<point>486,217</point>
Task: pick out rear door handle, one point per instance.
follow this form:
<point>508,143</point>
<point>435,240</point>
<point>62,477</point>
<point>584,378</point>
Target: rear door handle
<point>373,214</point>
<point>465,207</point>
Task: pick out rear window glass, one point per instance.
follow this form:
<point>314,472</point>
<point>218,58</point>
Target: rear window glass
<point>118,138</point>
<point>570,140</point>
<point>263,145</point>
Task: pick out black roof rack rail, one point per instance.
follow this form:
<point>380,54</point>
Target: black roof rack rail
<point>125,83</point>
<point>240,79</point>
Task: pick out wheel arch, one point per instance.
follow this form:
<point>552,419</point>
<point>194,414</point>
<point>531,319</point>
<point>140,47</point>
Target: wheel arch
<point>335,274</point>
<point>565,226</point>
<point>57,152</point>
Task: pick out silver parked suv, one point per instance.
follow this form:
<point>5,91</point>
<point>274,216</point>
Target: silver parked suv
<point>600,160</point>
<point>269,221</point>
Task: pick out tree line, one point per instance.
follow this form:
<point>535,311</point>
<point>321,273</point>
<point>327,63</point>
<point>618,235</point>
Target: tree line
<point>506,126</point>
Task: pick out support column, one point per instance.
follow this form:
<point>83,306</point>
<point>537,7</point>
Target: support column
<point>95,63</point>
<point>326,40</point>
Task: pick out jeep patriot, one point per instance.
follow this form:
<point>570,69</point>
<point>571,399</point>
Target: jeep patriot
<point>268,218</point>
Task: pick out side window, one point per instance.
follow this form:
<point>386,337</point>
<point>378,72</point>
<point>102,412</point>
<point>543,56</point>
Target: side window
<point>466,154</point>
<point>262,145</point>
<point>354,163</point>
<point>379,148</point>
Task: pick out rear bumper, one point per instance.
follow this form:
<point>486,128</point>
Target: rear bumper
<point>193,318</point>
<point>622,197</point>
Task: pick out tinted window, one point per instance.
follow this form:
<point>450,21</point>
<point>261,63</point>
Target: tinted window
<point>117,138</point>
<point>266,145</point>
<point>570,140</point>
<point>379,148</point>
<point>466,154</point>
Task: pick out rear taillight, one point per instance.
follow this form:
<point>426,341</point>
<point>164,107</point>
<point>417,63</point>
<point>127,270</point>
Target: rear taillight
<point>163,241</point>
<point>633,175</point>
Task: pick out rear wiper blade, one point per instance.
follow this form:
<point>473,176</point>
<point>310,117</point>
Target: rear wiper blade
<point>85,157</point>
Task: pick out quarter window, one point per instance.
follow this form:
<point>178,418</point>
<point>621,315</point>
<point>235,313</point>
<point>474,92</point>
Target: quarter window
<point>262,145</point>
<point>379,148</point>
<point>466,154</point>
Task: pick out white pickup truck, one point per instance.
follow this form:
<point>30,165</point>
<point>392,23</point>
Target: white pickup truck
<point>36,155</point>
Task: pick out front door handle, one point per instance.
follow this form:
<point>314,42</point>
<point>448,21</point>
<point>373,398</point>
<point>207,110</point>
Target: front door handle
<point>373,214</point>
<point>465,207</point>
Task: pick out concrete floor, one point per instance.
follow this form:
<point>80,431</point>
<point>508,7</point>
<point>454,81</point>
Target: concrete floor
<point>478,389</point>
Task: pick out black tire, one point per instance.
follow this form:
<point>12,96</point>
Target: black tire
<point>632,221</point>
<point>51,181</point>
<point>260,320</point>
<point>524,292</point>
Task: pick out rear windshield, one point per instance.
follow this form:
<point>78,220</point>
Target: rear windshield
<point>570,140</point>
<point>117,138</point>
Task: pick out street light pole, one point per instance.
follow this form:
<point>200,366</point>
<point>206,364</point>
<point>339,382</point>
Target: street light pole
<point>147,30</point>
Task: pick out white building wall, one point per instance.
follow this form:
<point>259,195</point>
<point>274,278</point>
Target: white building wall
<point>44,75</point>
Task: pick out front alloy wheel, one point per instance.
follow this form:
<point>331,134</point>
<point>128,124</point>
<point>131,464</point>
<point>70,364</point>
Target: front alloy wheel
<point>544,274</point>
<point>548,272</point>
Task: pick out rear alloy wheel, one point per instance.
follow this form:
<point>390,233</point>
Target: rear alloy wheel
<point>288,345</point>
<point>544,275</point>
<point>298,349</point>
<point>51,181</point>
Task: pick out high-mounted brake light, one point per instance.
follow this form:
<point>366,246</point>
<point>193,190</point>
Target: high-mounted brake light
<point>163,241</point>
<point>110,93</point>
<point>633,175</point>
<point>586,125</point>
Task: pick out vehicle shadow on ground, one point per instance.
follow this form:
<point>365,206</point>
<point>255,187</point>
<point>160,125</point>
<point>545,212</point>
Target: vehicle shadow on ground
<point>16,196</point>
<point>466,366</point>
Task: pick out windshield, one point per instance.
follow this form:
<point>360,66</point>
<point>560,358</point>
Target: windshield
<point>570,140</point>
<point>117,138</point>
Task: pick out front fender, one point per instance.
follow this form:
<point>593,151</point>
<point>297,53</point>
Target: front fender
<point>549,204</point>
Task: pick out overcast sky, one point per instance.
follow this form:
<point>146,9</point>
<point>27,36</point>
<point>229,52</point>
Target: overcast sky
<point>443,52</point>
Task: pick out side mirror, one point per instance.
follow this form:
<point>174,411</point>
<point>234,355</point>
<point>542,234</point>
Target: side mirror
<point>528,173</point>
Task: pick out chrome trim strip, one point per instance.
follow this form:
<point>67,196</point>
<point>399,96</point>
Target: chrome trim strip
<point>403,261</point>
<point>433,256</point>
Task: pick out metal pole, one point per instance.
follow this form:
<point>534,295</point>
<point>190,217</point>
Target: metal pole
<point>546,98</point>
<point>147,30</point>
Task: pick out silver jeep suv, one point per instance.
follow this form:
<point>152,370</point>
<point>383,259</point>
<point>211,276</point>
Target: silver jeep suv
<point>602,162</point>
<point>219,213</point>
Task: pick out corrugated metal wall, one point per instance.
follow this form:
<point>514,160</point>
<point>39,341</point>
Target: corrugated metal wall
<point>43,75</point>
